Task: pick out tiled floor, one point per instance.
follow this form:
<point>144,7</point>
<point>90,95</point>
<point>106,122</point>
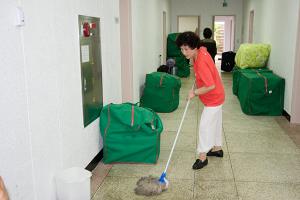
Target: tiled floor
<point>262,160</point>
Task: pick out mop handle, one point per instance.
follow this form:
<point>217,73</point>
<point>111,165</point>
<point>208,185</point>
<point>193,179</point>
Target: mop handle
<point>178,131</point>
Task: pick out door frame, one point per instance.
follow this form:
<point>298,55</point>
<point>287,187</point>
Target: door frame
<point>251,26</point>
<point>126,50</point>
<point>295,107</point>
<point>164,36</point>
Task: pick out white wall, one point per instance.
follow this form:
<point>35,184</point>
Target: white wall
<point>15,148</point>
<point>276,22</point>
<point>147,26</point>
<point>41,104</point>
<point>206,9</point>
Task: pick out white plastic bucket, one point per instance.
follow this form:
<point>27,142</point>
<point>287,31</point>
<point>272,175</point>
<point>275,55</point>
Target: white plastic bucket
<point>73,184</point>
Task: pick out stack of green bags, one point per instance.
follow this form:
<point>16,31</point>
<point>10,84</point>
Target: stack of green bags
<point>182,64</point>
<point>259,90</point>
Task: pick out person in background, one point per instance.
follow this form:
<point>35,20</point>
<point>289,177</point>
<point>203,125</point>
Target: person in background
<point>3,192</point>
<point>210,90</point>
<point>209,43</point>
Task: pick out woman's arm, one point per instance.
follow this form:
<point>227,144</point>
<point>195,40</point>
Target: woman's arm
<point>203,90</point>
<point>200,91</point>
<point>3,192</point>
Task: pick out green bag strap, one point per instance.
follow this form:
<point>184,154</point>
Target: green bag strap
<point>265,79</point>
<point>161,79</point>
<point>108,120</point>
<point>135,127</point>
<point>132,114</point>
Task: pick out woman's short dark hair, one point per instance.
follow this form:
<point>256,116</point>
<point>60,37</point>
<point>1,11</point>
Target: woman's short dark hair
<point>207,33</point>
<point>188,38</point>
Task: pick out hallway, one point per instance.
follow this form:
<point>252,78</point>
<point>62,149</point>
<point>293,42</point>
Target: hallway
<point>261,161</point>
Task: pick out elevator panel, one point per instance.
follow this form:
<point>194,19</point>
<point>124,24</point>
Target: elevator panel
<point>91,67</point>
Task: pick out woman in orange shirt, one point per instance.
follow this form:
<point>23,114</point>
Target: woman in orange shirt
<point>210,91</point>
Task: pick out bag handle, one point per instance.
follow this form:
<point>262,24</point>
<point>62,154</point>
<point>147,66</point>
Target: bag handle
<point>265,79</point>
<point>161,79</point>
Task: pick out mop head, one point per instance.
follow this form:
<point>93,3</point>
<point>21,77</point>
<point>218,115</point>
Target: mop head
<point>150,186</point>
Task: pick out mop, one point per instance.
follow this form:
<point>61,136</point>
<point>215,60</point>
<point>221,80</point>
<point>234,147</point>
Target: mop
<point>149,185</point>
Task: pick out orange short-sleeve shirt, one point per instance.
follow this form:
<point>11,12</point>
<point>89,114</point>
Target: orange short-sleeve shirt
<point>207,75</point>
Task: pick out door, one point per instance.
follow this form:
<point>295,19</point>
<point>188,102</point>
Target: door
<point>188,23</point>
<point>164,37</point>
<point>224,29</point>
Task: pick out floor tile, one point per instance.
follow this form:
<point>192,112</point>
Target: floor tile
<point>251,126</point>
<point>98,176</point>
<point>178,114</point>
<point>180,167</point>
<point>273,167</point>
<point>215,190</point>
<point>260,142</point>
<point>186,141</point>
<point>189,125</point>
<point>268,191</point>
<point>296,139</point>
<point>218,169</point>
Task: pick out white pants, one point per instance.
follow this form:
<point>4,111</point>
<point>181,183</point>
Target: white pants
<point>210,129</point>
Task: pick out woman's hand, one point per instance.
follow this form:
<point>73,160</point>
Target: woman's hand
<point>191,94</point>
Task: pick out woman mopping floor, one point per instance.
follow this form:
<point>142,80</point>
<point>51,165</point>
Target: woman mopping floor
<point>211,93</point>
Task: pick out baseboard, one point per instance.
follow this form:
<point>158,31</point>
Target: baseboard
<point>286,115</point>
<point>93,164</point>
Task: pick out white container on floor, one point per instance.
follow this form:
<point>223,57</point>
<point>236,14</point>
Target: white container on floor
<point>73,184</point>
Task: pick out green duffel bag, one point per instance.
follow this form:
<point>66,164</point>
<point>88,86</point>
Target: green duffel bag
<point>161,92</point>
<point>261,94</point>
<point>236,73</point>
<point>252,55</point>
<point>172,49</point>
<point>183,72</point>
<point>131,134</point>
<point>181,61</point>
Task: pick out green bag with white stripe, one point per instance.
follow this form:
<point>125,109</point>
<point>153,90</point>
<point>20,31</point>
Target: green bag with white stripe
<point>131,134</point>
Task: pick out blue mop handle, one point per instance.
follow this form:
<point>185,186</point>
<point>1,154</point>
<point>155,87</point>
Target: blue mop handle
<point>164,174</point>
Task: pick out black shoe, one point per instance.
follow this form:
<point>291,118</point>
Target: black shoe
<point>200,164</point>
<point>218,153</point>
